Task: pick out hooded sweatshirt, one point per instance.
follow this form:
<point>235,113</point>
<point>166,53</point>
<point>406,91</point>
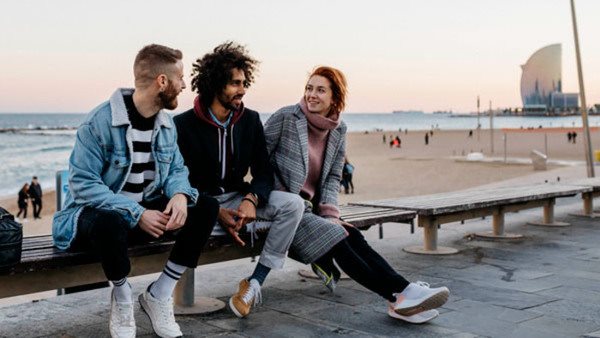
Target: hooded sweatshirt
<point>219,158</point>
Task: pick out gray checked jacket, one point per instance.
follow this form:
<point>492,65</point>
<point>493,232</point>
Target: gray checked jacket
<point>286,133</point>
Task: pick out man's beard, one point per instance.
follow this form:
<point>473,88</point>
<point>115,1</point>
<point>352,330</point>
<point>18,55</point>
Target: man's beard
<point>168,97</point>
<point>228,102</point>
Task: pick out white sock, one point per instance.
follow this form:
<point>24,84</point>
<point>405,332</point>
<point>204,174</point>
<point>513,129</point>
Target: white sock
<point>165,284</point>
<point>122,291</point>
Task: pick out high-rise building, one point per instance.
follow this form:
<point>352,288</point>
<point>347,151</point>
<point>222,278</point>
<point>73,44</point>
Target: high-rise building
<point>541,83</point>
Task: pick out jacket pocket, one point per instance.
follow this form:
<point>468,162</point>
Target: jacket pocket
<point>119,161</point>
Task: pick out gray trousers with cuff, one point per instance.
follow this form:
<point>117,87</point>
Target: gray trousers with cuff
<point>281,215</point>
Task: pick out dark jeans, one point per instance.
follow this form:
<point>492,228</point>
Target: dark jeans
<point>37,207</point>
<point>108,235</point>
<point>22,209</point>
<point>363,264</point>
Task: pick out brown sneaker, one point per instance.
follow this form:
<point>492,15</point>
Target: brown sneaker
<point>248,295</point>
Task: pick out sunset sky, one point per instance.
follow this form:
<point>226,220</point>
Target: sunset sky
<point>68,56</point>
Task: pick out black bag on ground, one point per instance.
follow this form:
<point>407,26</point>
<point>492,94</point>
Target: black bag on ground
<point>11,239</point>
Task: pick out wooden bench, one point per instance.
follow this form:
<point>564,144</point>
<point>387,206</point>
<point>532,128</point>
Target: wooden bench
<point>434,210</point>
<point>588,197</point>
<point>43,267</point>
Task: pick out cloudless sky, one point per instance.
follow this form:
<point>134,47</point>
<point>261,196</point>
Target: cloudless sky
<point>68,56</point>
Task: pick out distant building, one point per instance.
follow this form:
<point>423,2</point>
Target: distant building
<point>541,84</point>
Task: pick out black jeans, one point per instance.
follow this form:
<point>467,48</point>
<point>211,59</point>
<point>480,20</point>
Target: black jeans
<point>37,207</point>
<point>363,264</point>
<point>108,235</point>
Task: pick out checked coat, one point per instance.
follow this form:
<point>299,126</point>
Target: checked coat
<point>286,133</point>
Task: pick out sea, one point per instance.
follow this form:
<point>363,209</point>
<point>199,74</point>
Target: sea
<point>39,144</point>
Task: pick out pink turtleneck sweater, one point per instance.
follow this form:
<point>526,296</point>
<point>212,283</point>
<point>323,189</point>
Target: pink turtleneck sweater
<point>318,134</point>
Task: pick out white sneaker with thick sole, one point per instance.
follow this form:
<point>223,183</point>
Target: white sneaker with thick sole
<point>419,318</point>
<point>122,321</point>
<point>419,297</point>
<point>161,315</point>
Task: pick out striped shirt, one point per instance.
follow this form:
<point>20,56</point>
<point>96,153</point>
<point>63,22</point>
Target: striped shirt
<point>143,167</point>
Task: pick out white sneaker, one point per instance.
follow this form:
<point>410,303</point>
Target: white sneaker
<point>419,297</point>
<point>161,315</point>
<point>122,321</point>
<point>418,318</point>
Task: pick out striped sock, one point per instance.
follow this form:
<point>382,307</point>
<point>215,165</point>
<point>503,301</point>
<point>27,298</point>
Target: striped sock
<point>165,284</point>
<point>122,290</point>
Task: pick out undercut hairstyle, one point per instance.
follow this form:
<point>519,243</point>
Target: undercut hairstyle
<point>152,61</point>
<point>339,87</point>
<point>212,72</point>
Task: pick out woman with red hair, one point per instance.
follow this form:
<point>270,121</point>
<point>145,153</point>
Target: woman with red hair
<point>306,144</point>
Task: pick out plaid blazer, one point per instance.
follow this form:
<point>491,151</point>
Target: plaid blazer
<point>286,133</point>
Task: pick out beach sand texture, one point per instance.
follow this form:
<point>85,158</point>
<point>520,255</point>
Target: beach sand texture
<point>413,169</point>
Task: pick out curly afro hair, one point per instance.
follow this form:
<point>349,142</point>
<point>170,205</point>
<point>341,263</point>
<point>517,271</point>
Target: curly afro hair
<point>212,72</point>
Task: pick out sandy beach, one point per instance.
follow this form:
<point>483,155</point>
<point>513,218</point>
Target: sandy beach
<point>413,169</point>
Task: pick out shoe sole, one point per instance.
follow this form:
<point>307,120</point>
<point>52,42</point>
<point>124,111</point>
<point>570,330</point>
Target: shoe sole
<point>233,309</point>
<point>430,303</point>
<point>419,318</point>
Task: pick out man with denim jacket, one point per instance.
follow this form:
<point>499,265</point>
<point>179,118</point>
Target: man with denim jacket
<point>128,184</point>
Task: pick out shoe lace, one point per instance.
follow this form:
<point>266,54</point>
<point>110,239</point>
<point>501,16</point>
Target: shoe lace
<point>125,317</point>
<point>253,294</point>
<point>166,311</point>
<point>424,284</point>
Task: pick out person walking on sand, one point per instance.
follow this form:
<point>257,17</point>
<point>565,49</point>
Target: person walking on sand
<point>35,192</point>
<point>128,185</point>
<point>347,172</point>
<point>426,138</point>
<point>306,144</point>
<point>221,141</point>
<point>22,199</point>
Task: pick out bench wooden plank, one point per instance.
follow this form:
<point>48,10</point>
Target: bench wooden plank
<point>437,209</point>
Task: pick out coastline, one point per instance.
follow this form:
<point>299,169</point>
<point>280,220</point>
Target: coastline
<point>414,169</point>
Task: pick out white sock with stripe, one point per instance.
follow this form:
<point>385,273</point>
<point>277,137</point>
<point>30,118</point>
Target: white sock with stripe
<point>165,284</point>
<point>122,290</point>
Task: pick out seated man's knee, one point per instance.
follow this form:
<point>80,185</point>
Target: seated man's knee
<point>288,201</point>
<point>110,226</point>
<point>205,211</point>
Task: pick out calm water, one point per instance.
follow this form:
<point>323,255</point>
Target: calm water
<point>42,151</point>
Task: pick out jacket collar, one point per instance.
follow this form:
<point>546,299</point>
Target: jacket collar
<point>119,111</point>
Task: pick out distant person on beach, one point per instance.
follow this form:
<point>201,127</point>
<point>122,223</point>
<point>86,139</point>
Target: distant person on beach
<point>384,142</point>
<point>398,142</point>
<point>22,202</point>
<point>470,134</point>
<point>313,170</point>
<point>569,137</point>
<point>221,140</point>
<point>574,137</point>
<point>35,192</point>
<point>426,138</point>
<point>117,198</point>
<point>347,173</point>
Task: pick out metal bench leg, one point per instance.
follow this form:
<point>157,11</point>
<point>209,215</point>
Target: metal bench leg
<point>588,206</point>
<point>549,216</point>
<point>186,303</point>
<point>430,231</point>
<point>498,228</point>
<point>412,226</point>
<point>380,230</point>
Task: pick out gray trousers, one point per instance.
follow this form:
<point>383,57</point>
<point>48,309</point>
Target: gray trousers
<point>281,216</point>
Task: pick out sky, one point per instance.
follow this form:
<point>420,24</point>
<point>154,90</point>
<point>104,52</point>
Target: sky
<point>69,56</point>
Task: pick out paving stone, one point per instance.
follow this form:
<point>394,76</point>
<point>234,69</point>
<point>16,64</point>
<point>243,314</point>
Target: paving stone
<point>291,302</point>
<point>363,319</point>
<point>497,296</point>
<point>275,324</point>
<point>592,334</point>
<point>483,311</point>
<point>37,317</point>
<point>575,311</point>
<point>573,293</point>
<point>555,325</point>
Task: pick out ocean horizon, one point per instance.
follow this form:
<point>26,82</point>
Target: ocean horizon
<point>43,141</point>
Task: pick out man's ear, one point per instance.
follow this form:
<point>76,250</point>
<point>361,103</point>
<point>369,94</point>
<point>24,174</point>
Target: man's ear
<point>162,81</point>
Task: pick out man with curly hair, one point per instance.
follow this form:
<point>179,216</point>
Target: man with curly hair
<point>220,141</point>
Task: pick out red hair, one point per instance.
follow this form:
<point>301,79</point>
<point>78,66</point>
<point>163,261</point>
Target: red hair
<point>339,87</point>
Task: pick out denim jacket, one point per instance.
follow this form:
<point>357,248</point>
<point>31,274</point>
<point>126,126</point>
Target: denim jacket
<point>101,161</point>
